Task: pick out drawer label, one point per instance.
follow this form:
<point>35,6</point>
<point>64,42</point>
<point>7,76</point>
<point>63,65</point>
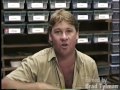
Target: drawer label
<point>103,5</point>
<point>82,17</point>
<point>82,40</point>
<point>82,5</point>
<point>37,30</point>
<point>15,18</point>
<point>37,5</point>
<point>103,39</point>
<point>39,18</point>
<point>60,5</point>
<point>14,30</point>
<point>115,0</point>
<point>104,16</point>
<point>13,5</point>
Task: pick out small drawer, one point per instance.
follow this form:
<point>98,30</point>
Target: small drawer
<point>14,28</point>
<point>114,69</point>
<point>81,4</point>
<point>102,4</point>
<point>83,15</point>
<point>13,4</point>
<point>115,47</point>
<point>101,38</point>
<point>102,14</point>
<point>115,15</point>
<point>37,4</point>
<point>115,37</point>
<point>85,38</point>
<point>115,58</point>
<point>115,4</point>
<point>14,16</point>
<point>38,16</point>
<point>103,70</point>
<point>115,25</point>
<point>37,28</point>
<point>57,4</point>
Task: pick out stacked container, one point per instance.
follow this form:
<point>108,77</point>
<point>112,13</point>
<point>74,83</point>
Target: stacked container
<point>14,16</point>
<point>37,16</point>
<point>102,12</point>
<point>115,41</point>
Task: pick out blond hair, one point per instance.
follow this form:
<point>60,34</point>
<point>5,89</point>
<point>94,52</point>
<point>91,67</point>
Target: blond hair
<point>62,15</point>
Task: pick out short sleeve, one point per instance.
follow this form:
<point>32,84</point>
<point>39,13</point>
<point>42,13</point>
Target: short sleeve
<point>26,72</point>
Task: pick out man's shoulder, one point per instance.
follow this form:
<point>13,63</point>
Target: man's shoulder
<point>43,53</point>
<point>40,55</point>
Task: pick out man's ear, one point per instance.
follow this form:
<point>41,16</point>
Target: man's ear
<point>77,35</point>
<point>50,39</point>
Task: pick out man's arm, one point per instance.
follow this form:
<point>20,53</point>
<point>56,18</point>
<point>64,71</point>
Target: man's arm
<point>12,84</point>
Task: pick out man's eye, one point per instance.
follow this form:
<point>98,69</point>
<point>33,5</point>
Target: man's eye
<point>69,31</point>
<point>57,32</point>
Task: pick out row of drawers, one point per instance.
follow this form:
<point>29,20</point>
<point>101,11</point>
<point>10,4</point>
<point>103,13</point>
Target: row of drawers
<point>43,16</point>
<point>42,28</point>
<point>36,27</point>
<point>55,4</point>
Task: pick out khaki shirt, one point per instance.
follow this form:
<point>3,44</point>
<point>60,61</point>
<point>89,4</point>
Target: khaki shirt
<point>42,67</point>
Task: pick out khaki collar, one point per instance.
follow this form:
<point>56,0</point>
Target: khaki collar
<point>79,60</point>
<point>52,54</point>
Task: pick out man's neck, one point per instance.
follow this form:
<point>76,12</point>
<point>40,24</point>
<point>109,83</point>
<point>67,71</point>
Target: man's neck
<point>67,57</point>
<point>66,65</point>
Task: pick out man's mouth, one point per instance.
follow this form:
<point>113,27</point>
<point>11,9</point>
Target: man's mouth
<point>64,45</point>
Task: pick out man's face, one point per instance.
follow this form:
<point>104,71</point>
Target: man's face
<point>64,38</point>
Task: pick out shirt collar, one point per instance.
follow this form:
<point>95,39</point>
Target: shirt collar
<point>79,60</point>
<point>52,56</point>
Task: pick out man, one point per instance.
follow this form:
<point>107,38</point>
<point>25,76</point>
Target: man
<point>60,66</point>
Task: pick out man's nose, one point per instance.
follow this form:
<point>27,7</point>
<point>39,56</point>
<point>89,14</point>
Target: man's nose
<point>64,36</point>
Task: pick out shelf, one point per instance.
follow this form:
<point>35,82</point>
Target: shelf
<point>24,45</point>
<point>97,53</point>
<point>101,63</point>
<point>94,31</point>
<point>12,57</point>
<point>8,68</point>
<point>114,79</point>
<point>97,21</point>
<point>104,75</point>
<point>7,57</point>
<point>24,34</point>
<point>108,21</point>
